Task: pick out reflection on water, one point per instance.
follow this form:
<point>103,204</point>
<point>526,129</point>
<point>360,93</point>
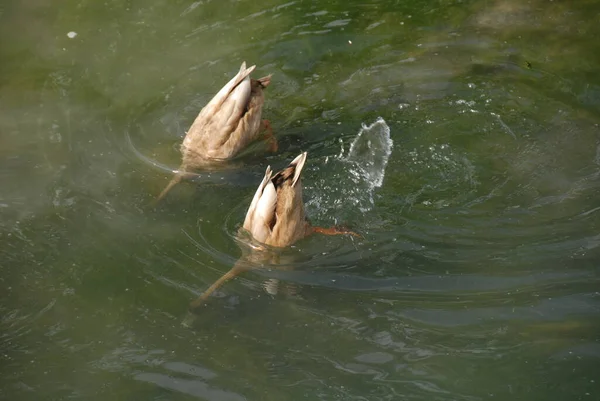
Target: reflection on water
<point>473,179</point>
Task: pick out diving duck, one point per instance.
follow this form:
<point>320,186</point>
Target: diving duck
<point>225,126</point>
<point>275,218</point>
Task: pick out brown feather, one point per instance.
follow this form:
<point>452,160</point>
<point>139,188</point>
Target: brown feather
<point>289,223</point>
<point>216,136</point>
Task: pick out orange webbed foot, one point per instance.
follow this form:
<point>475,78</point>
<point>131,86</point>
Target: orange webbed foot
<point>336,230</point>
<point>269,137</point>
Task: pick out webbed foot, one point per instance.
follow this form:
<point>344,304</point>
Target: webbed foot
<point>336,230</point>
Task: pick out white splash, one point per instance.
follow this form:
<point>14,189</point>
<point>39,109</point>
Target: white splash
<point>371,150</point>
<point>350,180</point>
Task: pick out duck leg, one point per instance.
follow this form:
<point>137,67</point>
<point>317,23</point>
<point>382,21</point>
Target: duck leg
<point>238,268</point>
<point>335,230</point>
<point>268,136</point>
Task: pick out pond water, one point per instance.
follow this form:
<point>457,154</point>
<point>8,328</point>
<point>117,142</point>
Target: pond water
<point>477,274</point>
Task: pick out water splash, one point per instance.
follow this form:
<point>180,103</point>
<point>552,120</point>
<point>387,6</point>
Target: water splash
<point>371,150</point>
<point>351,179</point>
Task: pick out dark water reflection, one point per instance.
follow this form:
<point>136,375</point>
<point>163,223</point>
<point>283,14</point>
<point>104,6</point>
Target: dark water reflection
<point>477,277</point>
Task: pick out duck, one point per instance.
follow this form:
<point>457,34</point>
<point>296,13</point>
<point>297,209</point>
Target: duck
<point>276,215</point>
<point>275,219</point>
<point>225,126</point>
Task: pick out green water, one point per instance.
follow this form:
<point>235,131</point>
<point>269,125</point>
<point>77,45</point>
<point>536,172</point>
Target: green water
<point>477,277</point>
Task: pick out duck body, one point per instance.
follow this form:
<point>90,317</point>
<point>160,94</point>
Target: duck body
<point>275,218</point>
<point>225,126</point>
<point>228,123</point>
<point>276,214</point>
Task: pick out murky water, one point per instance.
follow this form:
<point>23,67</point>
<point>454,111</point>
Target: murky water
<point>477,277</point>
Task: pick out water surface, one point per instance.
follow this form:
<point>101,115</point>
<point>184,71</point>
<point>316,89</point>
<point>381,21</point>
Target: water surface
<point>477,277</point>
